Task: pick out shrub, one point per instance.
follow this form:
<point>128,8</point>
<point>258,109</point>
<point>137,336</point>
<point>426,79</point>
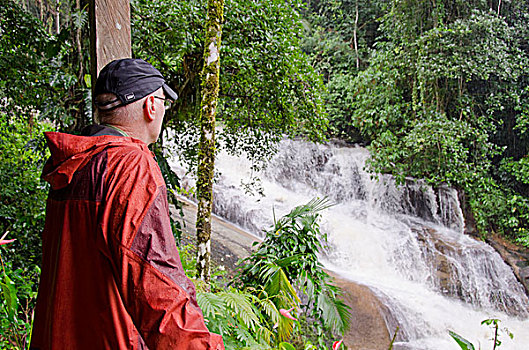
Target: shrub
<point>291,247</point>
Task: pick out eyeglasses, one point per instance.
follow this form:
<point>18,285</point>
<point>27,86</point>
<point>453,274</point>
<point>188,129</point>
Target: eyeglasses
<point>166,102</point>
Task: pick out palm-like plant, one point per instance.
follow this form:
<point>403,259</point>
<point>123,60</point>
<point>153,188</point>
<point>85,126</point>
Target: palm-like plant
<point>261,313</point>
<point>291,248</point>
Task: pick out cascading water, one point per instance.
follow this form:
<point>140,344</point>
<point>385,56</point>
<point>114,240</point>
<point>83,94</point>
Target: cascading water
<point>406,244</point>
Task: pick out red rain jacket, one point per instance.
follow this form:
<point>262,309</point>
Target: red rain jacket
<point>111,274</point>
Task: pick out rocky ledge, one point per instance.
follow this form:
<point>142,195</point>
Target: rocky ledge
<point>515,256</point>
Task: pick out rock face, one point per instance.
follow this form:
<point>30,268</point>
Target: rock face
<point>229,243</point>
<point>368,330</point>
<point>515,256</point>
<point>462,270</point>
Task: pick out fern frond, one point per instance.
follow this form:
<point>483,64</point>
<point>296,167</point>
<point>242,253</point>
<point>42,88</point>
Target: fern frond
<point>268,270</point>
<point>269,309</point>
<point>244,336</point>
<point>313,207</point>
<point>288,260</point>
<point>210,304</point>
<point>265,335</point>
<point>240,304</point>
<point>284,329</point>
<point>335,313</point>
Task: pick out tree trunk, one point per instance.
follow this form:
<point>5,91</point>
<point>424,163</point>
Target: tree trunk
<point>110,37</point>
<point>41,10</point>
<point>206,156</point>
<point>57,17</point>
<point>355,33</point>
<point>78,42</point>
<point>76,91</point>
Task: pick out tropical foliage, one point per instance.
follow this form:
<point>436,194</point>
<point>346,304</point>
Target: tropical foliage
<point>437,90</point>
<point>267,86</point>
<point>263,308</point>
<point>291,249</point>
<point>18,291</point>
<point>22,155</point>
<point>43,70</point>
<point>22,204</point>
<point>241,318</point>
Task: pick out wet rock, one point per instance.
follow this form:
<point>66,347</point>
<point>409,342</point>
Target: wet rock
<point>464,272</point>
<point>368,329</point>
<point>517,257</point>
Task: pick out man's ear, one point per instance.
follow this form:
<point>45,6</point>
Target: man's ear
<point>149,108</point>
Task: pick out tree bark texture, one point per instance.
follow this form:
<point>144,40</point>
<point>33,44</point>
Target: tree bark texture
<point>110,36</point>
<point>355,32</point>
<point>57,17</point>
<point>206,156</point>
<point>78,42</point>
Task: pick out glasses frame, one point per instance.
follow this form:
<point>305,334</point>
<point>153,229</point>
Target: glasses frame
<point>166,102</point>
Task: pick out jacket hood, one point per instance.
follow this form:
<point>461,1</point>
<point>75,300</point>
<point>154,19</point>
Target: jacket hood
<point>69,153</point>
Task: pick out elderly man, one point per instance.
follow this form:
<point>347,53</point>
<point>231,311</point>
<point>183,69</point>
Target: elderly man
<point>111,274</point>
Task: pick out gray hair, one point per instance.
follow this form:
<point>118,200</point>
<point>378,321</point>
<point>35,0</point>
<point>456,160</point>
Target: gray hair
<point>120,115</point>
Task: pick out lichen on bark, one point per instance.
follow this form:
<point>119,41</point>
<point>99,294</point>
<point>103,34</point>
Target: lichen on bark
<point>206,155</point>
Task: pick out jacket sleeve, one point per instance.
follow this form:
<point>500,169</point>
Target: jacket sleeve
<point>159,297</point>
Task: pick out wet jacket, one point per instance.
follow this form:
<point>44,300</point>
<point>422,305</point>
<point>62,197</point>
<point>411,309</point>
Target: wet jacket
<point>111,274</point>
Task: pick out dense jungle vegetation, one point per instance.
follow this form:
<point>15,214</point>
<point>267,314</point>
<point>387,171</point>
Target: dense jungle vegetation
<point>435,89</point>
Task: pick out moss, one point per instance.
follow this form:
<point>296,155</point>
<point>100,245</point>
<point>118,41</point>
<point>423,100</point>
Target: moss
<point>206,155</point>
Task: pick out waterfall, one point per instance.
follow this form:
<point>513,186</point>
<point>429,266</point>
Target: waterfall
<point>405,243</point>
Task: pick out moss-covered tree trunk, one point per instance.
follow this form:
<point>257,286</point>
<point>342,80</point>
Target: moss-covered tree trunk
<point>208,108</point>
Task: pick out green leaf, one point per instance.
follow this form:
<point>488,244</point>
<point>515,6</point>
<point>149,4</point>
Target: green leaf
<point>269,309</point>
<point>279,284</point>
<point>490,321</point>
<point>288,260</point>
<point>462,342</point>
<point>88,80</point>
<point>335,313</point>
<point>240,304</point>
<point>9,292</point>
<point>286,346</point>
<point>210,304</point>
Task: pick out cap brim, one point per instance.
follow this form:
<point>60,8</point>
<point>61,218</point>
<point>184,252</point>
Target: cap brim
<point>169,93</point>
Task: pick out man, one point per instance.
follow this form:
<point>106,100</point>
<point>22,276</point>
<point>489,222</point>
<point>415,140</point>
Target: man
<point>111,274</point>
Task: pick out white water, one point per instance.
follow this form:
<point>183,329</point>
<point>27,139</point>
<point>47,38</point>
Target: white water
<point>405,244</point>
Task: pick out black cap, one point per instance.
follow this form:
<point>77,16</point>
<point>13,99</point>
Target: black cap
<point>130,79</point>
